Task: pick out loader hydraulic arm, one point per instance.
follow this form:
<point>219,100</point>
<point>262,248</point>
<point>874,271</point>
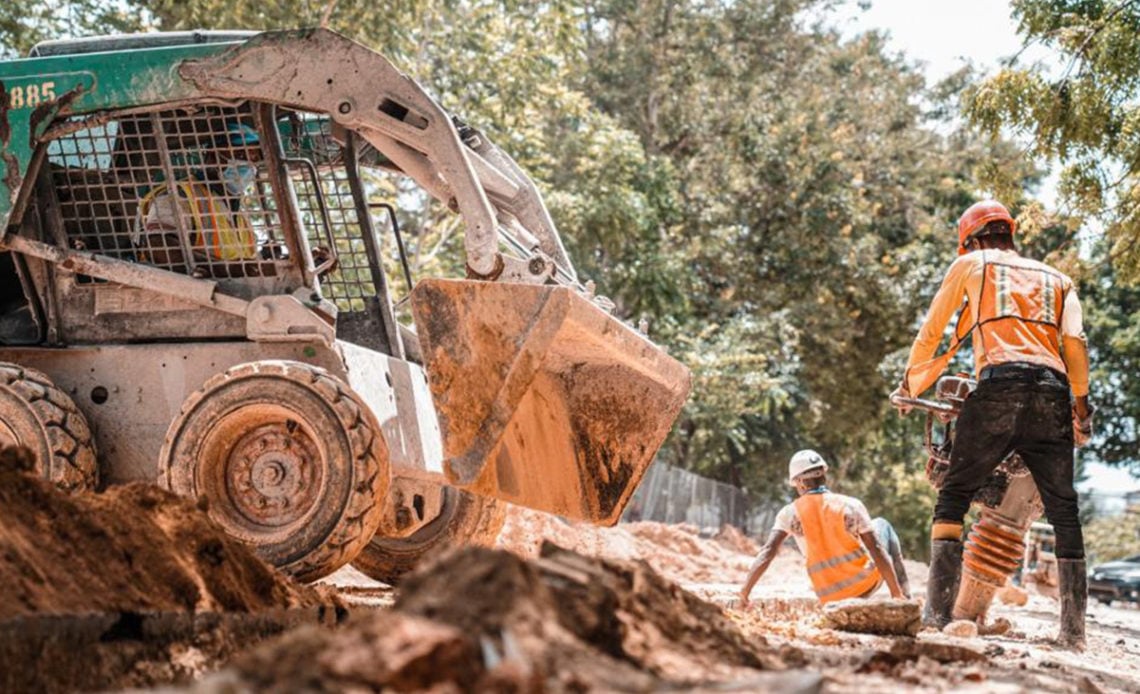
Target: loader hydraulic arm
<point>320,70</point>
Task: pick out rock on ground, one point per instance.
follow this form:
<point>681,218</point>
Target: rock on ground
<point>874,616</point>
<point>962,628</point>
<point>1013,595</point>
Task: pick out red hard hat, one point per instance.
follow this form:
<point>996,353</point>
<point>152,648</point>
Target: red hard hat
<point>977,216</point>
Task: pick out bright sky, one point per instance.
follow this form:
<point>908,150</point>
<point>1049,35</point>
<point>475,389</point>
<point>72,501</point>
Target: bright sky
<point>943,36</point>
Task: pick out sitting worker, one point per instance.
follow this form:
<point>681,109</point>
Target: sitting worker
<point>846,551</point>
<point>207,209</point>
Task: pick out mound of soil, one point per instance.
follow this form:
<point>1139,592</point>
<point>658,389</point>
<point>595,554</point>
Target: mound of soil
<point>731,537</point>
<point>676,551</point>
<point>480,619</point>
<point>135,548</point>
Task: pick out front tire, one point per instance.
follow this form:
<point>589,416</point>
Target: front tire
<point>36,414</point>
<point>464,519</point>
<point>289,460</point>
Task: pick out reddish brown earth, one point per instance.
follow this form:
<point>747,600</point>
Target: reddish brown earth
<point>638,607</point>
<point>132,587</point>
<point>134,548</point>
<point>479,620</point>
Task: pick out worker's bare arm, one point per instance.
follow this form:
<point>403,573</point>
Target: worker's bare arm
<point>883,563</point>
<point>767,553</point>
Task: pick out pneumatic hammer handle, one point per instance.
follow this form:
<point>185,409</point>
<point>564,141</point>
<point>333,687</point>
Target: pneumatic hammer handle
<point>944,411</point>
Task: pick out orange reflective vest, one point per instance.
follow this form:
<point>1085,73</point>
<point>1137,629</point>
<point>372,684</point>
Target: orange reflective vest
<point>1017,318</point>
<point>837,562</point>
<point>219,232</point>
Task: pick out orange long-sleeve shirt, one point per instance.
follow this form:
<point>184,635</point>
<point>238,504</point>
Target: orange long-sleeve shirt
<point>1019,307</point>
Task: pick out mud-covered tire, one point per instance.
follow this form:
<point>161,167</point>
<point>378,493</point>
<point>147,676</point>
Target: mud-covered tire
<point>289,460</point>
<point>36,414</point>
<point>465,519</point>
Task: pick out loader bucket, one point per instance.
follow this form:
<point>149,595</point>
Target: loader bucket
<point>544,400</point>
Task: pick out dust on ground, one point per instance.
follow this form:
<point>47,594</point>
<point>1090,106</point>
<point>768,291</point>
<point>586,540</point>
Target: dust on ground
<point>785,611</point>
<point>784,624</point>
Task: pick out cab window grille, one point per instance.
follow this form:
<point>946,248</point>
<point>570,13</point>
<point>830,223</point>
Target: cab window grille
<point>316,165</point>
<point>184,190</point>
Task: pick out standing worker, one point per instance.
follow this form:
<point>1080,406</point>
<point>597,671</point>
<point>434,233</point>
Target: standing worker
<point>1032,367</point>
<point>828,528</point>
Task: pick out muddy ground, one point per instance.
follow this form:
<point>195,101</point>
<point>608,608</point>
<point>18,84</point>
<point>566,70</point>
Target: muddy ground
<point>141,590</point>
<point>785,613</point>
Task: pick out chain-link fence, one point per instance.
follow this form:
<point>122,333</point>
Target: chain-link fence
<point>671,495</point>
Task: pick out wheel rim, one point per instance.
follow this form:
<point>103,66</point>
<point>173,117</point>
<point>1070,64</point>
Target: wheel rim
<point>8,436</point>
<point>263,471</point>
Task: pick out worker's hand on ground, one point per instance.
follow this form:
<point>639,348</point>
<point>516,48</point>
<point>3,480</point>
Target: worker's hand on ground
<point>742,601</point>
<point>1082,427</point>
<point>901,392</point>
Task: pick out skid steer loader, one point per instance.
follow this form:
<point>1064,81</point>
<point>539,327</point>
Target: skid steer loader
<point>204,284</point>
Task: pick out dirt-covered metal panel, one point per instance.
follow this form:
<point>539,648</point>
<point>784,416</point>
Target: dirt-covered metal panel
<point>131,393</point>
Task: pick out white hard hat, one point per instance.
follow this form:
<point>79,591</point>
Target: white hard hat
<point>804,461</point>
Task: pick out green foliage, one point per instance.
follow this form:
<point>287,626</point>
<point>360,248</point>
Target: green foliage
<point>1113,537</point>
<point>817,206</point>
<point>23,23</point>
<point>1112,320</point>
<point>1081,113</point>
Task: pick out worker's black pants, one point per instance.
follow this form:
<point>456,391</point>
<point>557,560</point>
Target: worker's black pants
<point>1029,412</point>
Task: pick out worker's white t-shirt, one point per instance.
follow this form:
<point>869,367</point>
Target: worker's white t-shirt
<point>855,517</point>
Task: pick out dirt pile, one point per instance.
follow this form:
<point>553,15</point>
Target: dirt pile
<point>731,537</point>
<point>676,551</point>
<point>133,549</point>
<point>479,619</point>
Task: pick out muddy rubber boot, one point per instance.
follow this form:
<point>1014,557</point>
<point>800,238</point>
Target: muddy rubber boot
<point>1074,588</point>
<point>942,584</point>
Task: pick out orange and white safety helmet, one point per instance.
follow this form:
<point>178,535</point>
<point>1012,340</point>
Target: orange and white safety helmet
<point>978,216</point>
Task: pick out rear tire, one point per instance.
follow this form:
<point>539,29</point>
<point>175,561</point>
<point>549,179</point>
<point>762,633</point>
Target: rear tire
<point>36,414</point>
<point>464,519</point>
<point>289,460</point>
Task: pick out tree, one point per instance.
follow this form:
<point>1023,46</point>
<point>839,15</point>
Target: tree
<point>1082,113</point>
<point>817,202</point>
<point>777,201</point>
<point>24,23</point>
<point>1113,537</point>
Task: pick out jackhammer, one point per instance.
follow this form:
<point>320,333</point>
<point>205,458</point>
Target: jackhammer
<point>1008,501</point>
